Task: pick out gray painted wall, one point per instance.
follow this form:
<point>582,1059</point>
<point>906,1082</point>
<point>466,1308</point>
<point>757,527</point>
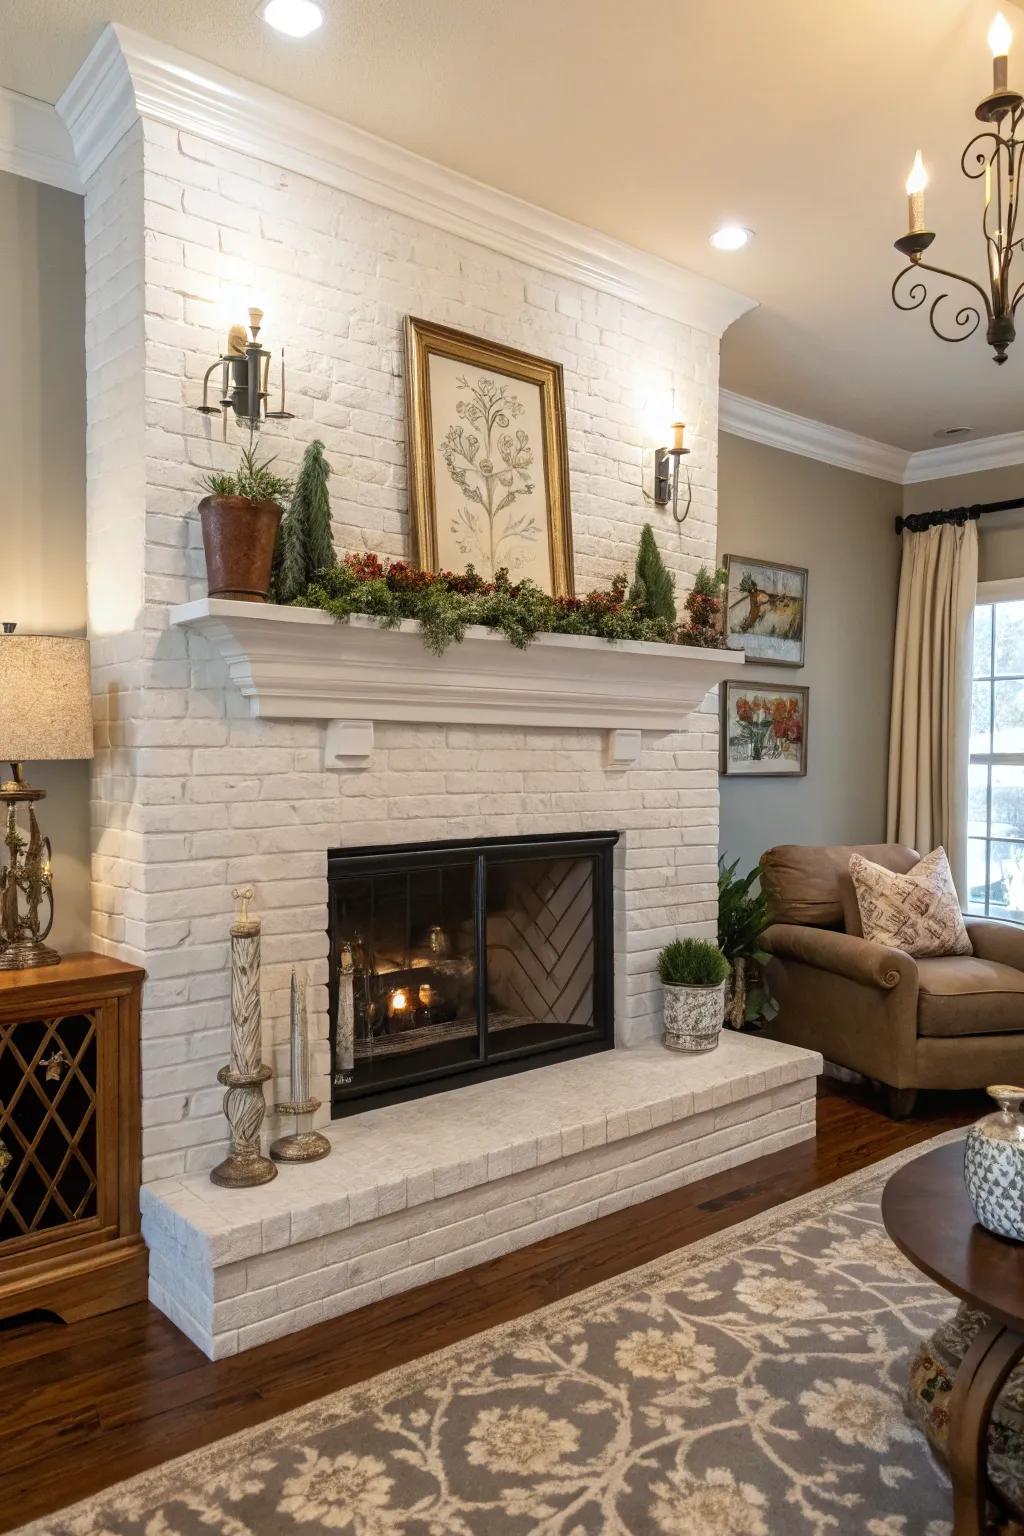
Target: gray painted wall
<point>1001,536</point>
<point>775,505</point>
<point>42,450</point>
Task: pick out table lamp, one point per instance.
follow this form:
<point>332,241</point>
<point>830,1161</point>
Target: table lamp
<point>45,715</point>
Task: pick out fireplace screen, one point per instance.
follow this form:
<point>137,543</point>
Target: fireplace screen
<point>450,959</point>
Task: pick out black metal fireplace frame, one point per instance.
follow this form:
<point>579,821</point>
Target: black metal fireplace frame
<point>599,846</point>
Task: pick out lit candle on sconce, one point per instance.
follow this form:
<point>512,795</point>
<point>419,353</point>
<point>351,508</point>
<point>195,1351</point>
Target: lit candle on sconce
<point>916,183</point>
<point>677,444</point>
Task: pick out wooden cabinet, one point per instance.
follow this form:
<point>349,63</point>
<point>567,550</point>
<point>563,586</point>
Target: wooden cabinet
<point>70,1138</point>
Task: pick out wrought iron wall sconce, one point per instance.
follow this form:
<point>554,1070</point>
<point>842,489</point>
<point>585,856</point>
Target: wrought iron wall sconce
<point>666,474</point>
<point>245,379</point>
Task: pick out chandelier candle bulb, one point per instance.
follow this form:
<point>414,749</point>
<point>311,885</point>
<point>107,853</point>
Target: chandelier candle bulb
<point>999,39</point>
<point>916,183</point>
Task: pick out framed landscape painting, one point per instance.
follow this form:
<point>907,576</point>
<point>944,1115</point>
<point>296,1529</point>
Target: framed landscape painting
<point>764,731</point>
<point>766,610</point>
<point>488,471</point>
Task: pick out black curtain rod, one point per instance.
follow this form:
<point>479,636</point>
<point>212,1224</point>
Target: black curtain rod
<point>918,522</point>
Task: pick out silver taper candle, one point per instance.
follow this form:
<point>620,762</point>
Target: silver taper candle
<point>299,1041</point>
<point>308,1145</point>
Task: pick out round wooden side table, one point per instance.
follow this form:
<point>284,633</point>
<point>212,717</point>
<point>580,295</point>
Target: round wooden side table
<point>929,1217</point>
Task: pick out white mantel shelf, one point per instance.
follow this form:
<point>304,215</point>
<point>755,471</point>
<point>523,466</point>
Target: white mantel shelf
<point>301,664</point>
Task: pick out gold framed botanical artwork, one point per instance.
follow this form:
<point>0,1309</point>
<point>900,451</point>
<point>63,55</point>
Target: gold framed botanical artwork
<point>488,468</point>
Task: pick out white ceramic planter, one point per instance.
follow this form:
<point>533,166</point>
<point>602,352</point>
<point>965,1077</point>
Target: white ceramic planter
<point>693,1017</point>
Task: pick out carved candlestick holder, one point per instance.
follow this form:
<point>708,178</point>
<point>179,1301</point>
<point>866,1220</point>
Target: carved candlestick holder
<point>244,1104</point>
<point>302,1146</point>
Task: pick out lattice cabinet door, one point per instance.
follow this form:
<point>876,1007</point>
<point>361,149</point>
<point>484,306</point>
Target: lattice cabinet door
<point>69,1133</point>
<point>55,1079</point>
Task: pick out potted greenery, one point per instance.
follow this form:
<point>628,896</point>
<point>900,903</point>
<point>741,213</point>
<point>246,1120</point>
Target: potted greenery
<point>692,973</point>
<point>743,916</point>
<point>240,519</point>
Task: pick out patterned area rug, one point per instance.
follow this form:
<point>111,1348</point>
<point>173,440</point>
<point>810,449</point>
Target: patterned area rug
<point>749,1385</point>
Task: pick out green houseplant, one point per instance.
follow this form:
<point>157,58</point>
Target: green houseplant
<point>693,973</point>
<point>240,519</point>
<point>743,915</point>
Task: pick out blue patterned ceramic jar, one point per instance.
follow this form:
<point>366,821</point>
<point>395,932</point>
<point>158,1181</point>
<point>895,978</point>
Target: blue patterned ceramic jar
<point>994,1164</point>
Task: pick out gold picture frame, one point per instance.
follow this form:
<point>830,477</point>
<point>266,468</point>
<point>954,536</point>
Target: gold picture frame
<point>473,403</point>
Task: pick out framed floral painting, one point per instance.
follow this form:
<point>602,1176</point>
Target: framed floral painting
<point>488,471</point>
<point>766,610</point>
<point>764,730</point>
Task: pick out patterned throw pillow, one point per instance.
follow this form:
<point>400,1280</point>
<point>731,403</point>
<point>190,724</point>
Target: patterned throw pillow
<point>918,911</point>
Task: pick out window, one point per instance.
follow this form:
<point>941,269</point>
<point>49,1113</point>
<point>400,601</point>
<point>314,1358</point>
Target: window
<point>995,847</point>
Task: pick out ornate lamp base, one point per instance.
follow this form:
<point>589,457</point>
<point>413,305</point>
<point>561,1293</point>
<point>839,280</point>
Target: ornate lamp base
<point>26,888</point>
<point>302,1146</point>
<point>25,954</point>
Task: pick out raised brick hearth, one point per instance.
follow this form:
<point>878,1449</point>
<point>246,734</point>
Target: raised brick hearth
<point>417,1191</point>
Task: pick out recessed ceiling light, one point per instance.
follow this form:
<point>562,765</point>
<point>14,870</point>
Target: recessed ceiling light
<point>296,18</point>
<point>951,432</point>
<point>731,237</point>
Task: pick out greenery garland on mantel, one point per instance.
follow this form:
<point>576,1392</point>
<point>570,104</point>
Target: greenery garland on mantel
<point>447,603</point>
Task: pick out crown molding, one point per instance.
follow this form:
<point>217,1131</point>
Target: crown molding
<point>99,106</point>
<point>1002,452</point>
<point>35,143</point>
<point>743,417</point>
<point>127,75</point>
<point>812,439</point>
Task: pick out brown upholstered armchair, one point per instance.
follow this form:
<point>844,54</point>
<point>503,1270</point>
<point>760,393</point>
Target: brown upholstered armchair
<point>953,1022</point>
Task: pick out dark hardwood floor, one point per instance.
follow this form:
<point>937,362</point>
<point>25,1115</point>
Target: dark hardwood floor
<point>86,1405</point>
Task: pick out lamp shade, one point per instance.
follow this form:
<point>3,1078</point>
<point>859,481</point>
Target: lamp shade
<point>45,698</point>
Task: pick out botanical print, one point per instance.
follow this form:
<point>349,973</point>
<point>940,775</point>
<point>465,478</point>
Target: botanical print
<point>490,509</point>
<point>765,610</point>
<point>488,460</point>
<point>748,1386</point>
<point>764,730</point>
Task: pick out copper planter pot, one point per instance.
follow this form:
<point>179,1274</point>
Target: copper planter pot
<point>239,536</point>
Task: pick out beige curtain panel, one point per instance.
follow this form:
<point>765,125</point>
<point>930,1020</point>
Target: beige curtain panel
<point>929,737</point>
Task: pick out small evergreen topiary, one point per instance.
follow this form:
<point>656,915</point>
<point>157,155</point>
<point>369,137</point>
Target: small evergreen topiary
<point>692,963</point>
<point>704,610</point>
<point>307,543</point>
<point>653,592</point>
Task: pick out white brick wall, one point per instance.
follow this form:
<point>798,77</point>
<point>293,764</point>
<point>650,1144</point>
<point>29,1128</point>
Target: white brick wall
<point>191,796</point>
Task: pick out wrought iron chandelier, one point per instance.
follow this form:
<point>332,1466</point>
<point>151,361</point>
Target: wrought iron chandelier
<point>993,155</point>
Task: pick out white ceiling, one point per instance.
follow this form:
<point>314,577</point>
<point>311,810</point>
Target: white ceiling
<point>654,121</point>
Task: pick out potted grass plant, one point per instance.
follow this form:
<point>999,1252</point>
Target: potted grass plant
<point>240,518</point>
<point>693,974</point>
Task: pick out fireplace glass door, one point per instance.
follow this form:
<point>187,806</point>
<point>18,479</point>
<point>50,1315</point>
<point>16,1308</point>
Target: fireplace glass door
<point>452,960</point>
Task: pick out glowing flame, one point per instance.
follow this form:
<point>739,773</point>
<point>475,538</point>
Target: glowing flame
<point>918,178</point>
<point>1000,37</point>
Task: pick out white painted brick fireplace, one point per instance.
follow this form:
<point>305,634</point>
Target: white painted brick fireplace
<point>205,194</point>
